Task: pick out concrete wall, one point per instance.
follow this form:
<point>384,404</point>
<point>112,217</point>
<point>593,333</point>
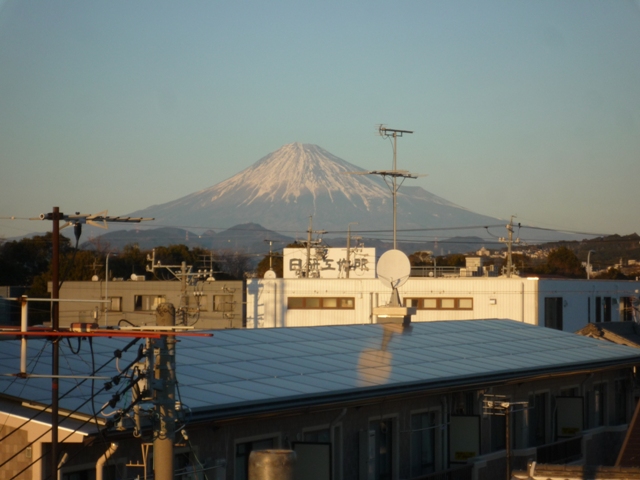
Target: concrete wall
<point>200,301</point>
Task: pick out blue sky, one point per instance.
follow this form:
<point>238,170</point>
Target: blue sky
<point>518,108</point>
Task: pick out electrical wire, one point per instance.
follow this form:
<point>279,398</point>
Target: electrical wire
<point>40,412</point>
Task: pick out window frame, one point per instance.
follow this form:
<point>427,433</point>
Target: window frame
<point>341,303</point>
<point>419,302</point>
<point>157,300</point>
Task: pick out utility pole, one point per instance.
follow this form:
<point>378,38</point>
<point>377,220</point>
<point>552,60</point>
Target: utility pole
<point>310,232</point>
<point>98,220</point>
<point>395,173</point>
<point>510,270</point>
<point>55,326</point>
<point>164,394</point>
<point>270,253</point>
<point>390,177</point>
<point>349,246</point>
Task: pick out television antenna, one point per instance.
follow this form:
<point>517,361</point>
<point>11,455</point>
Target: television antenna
<point>77,220</point>
<point>391,177</point>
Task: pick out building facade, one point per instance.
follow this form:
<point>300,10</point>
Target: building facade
<point>556,303</point>
<point>206,305</point>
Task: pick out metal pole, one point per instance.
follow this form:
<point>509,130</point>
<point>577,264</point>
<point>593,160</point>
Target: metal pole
<point>349,246</point>
<point>24,326</point>
<point>106,292</point>
<point>589,263</point>
<point>309,231</point>
<point>55,324</point>
<point>395,190</point>
<point>164,394</point>
<point>183,299</point>
<point>509,258</point>
<point>507,435</point>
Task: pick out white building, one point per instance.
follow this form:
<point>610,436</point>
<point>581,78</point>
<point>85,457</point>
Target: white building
<point>564,304</point>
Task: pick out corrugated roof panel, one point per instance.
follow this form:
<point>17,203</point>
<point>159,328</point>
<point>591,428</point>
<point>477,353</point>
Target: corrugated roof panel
<point>290,383</point>
<point>263,365</point>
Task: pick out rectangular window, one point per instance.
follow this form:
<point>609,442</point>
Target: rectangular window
<point>115,304</point>
<point>498,432</point>
<point>598,309</point>
<point>242,455</point>
<point>627,309</point>
<point>607,309</point>
<point>320,303</point>
<point>147,302</point>
<point>599,404</point>
<point>620,399</point>
<point>553,312</point>
<point>440,303</point>
<point>423,443</point>
<point>383,457</point>
<point>223,303</point>
<point>329,303</point>
<point>447,303</point>
<point>539,419</point>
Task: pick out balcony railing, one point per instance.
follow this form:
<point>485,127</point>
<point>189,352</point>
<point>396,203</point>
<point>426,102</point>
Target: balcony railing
<point>560,452</point>
<point>464,472</point>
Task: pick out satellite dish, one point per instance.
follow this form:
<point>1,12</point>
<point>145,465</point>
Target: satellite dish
<point>95,278</point>
<point>393,268</point>
<point>270,274</point>
<point>134,277</point>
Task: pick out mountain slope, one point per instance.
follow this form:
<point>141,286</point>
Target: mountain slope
<point>284,188</point>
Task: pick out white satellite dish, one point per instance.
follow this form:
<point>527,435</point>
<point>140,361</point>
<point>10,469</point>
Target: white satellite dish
<point>270,274</point>
<point>394,268</point>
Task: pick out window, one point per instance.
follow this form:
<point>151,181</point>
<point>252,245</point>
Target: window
<point>423,443</point>
<point>383,448</point>
<point>322,303</point>
<point>223,303</point>
<point>553,312</point>
<point>242,455</point>
<point>498,432</point>
<point>599,404</point>
<point>115,304</point>
<point>620,399</point>
<point>147,302</point>
<point>440,303</point>
<point>607,309</point>
<point>627,309</point>
<point>598,309</point>
<point>539,419</point>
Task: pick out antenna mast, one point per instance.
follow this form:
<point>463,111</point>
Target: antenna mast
<point>394,173</point>
<point>310,231</point>
<point>510,269</point>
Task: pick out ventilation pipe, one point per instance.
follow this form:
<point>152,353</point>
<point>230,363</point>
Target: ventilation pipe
<point>103,459</point>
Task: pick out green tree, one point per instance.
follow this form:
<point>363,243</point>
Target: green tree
<point>453,260</point>
<point>564,262</point>
<point>21,261</point>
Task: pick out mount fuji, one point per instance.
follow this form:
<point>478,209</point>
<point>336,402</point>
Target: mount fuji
<point>281,190</point>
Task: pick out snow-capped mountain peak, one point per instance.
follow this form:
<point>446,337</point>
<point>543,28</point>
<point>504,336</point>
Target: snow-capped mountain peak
<point>281,190</point>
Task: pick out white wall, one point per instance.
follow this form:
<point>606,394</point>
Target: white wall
<point>519,299</point>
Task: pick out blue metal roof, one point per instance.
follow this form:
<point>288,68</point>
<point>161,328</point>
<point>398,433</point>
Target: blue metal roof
<point>241,368</point>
